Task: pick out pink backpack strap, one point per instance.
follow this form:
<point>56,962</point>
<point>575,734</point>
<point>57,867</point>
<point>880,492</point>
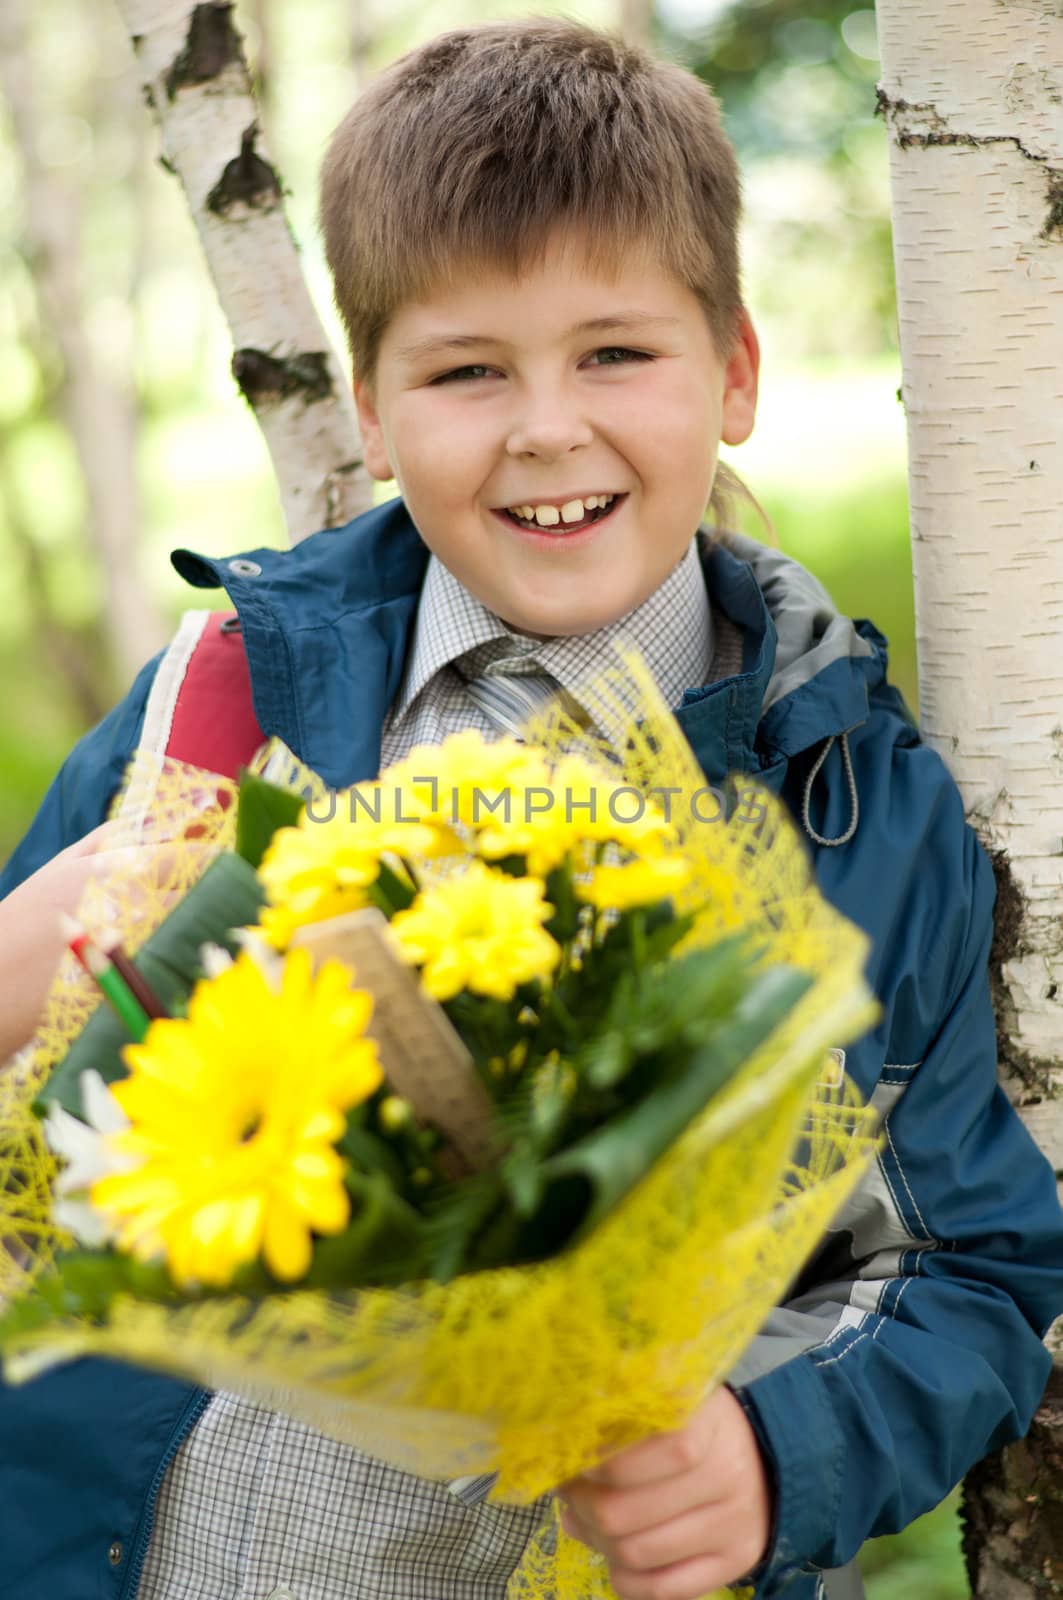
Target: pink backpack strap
<point>199,709</point>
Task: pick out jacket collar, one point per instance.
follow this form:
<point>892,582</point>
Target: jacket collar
<point>327,626</point>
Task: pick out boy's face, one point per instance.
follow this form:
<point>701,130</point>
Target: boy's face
<point>501,394</point>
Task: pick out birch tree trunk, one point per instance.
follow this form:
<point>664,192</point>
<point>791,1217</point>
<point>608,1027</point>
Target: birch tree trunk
<point>635,21</point>
<point>196,82</point>
<point>95,398</point>
<point>361,36</point>
<point>972,94</point>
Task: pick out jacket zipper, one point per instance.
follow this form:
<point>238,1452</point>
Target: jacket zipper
<point>189,1417</point>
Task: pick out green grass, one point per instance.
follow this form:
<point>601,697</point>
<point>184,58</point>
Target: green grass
<point>922,1563</point>
<point>856,542</point>
<point>37,729</point>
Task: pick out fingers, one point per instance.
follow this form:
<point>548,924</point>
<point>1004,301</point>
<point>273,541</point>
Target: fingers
<point>698,1532</point>
<point>614,1511</point>
<point>689,1580</point>
<point>95,841</point>
<point>687,1559</point>
<point>665,1455</point>
<point>679,1514</point>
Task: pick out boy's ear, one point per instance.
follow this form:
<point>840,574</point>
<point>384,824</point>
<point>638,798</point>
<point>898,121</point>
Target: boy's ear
<point>740,384</point>
<point>374,447</point>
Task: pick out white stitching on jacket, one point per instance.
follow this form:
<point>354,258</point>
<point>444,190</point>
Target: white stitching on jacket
<point>907,1189</point>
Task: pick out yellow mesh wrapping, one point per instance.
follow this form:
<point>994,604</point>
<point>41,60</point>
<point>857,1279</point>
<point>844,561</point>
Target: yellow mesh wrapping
<point>534,1372</point>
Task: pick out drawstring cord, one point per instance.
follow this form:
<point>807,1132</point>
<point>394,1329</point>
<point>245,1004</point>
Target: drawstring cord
<point>854,799</point>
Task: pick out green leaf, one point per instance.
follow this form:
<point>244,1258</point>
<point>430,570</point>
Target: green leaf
<point>82,1284</point>
<point>262,809</point>
<point>458,1220</point>
<point>384,1242</point>
<point>583,1183</point>
<point>561,894</point>
<point>395,892</point>
<point>686,998</point>
<point>607,1059</point>
<point>227,896</point>
<point>368,1152</point>
<point>522,1175</point>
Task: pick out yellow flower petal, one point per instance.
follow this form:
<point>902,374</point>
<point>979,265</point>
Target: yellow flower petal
<point>480,931</point>
<point>237,1159</point>
<point>640,883</point>
<point>286,1244</point>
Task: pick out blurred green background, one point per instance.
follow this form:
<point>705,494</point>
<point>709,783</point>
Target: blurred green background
<point>122,433</point>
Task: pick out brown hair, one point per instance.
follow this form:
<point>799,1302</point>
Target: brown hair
<point>475,146</point>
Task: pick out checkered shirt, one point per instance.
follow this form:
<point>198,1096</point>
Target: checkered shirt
<point>256,1506</point>
<point>457,638</point>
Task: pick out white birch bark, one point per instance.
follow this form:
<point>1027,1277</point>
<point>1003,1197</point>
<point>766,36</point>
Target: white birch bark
<point>972,94</point>
<point>361,36</point>
<point>973,98</point>
<point>263,67</point>
<point>196,81</point>
<point>635,21</point>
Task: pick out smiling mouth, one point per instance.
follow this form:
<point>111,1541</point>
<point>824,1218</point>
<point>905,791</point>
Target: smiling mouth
<point>561,530</point>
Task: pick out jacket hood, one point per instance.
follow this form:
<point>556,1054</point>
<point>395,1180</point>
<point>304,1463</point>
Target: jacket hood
<point>811,634</point>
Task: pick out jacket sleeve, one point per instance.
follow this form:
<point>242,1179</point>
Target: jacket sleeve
<point>918,1350</point>
<point>82,790</point>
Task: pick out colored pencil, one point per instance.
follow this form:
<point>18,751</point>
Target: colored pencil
<point>111,945</point>
<point>107,979</point>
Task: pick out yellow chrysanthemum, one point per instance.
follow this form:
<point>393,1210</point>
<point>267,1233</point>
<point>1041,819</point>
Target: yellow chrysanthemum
<point>322,867</point>
<point>462,780</point>
<point>577,806</point>
<point>481,931</point>
<point>235,1111</point>
<point>639,883</point>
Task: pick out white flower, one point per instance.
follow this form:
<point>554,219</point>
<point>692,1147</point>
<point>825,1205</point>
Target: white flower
<point>85,1148</point>
<point>269,962</point>
<point>215,958</point>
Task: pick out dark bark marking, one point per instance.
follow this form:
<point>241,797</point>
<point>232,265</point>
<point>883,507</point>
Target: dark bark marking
<point>246,180</point>
<point>211,45</point>
<point>265,378</point>
<point>1012,1515</point>
<point>1035,1073</point>
<point>1054,220</point>
<point>335,499</point>
<point>937,130</point>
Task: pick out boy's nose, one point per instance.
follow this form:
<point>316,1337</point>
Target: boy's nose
<point>547,428</point>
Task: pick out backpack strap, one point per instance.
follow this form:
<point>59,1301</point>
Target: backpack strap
<point>200,709</point>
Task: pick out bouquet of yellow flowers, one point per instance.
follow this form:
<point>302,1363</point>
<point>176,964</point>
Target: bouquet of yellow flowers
<point>476,1116</point>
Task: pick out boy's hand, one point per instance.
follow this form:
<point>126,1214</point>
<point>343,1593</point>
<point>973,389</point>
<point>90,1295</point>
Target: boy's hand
<point>32,942</point>
<point>679,1515</point>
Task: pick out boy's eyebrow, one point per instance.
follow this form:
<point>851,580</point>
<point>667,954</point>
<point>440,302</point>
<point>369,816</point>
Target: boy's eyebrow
<point>623,320</point>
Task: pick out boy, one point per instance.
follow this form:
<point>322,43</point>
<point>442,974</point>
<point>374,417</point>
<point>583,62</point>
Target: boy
<point>532,232</point>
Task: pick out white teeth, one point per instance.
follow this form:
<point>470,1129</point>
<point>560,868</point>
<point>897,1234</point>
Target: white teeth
<point>571,511</point>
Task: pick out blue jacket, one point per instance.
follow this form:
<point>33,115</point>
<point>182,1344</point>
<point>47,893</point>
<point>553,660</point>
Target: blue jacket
<point>913,1346</point>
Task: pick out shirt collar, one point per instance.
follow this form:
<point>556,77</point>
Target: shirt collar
<point>671,629</point>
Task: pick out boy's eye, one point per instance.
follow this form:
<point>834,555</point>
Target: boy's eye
<point>615,354</point>
<point>462,374</point>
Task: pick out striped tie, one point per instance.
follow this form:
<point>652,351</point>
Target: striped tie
<point>512,691</point>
